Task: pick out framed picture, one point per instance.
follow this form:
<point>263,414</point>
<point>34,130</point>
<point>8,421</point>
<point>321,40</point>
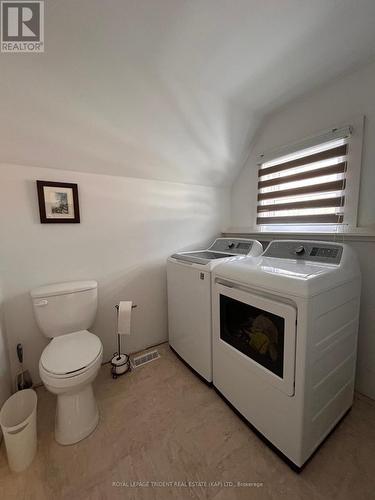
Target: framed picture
<point>58,202</point>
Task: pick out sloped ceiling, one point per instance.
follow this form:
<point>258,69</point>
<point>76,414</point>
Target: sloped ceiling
<point>170,89</point>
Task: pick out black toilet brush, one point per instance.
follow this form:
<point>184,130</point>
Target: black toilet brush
<point>24,380</point>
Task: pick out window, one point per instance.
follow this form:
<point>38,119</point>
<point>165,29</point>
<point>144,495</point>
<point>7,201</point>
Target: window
<point>309,186</point>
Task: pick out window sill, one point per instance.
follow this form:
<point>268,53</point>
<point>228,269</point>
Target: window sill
<point>355,234</point>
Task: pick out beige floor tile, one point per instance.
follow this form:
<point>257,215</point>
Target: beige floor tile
<point>161,424</point>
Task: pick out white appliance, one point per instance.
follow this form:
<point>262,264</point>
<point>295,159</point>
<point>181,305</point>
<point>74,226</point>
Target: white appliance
<point>285,338</point>
<point>72,359</point>
<point>189,298</point>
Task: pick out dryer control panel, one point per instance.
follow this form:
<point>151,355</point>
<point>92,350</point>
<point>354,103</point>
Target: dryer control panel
<point>315,251</point>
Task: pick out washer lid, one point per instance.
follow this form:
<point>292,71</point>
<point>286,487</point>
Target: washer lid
<point>63,288</point>
<point>72,352</point>
<point>200,257</point>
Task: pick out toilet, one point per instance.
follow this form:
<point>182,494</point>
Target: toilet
<point>71,361</point>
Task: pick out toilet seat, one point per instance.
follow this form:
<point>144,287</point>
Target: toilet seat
<point>71,354</point>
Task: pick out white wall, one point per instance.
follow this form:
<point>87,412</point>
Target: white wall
<point>169,89</point>
<point>5,380</point>
<point>128,228</point>
<point>331,105</point>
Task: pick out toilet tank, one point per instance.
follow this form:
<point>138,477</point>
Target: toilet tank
<point>65,307</point>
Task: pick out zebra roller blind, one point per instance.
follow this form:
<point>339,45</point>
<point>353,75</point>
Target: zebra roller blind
<point>306,186</point>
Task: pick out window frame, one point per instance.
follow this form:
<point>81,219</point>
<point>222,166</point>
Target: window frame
<point>353,179</point>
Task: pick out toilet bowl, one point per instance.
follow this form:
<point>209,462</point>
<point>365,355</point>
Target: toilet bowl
<point>71,361</point>
<point>68,370</point>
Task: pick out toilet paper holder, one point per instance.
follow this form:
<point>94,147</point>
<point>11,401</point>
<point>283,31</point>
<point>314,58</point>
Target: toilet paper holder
<point>133,306</point>
<point>120,363</point>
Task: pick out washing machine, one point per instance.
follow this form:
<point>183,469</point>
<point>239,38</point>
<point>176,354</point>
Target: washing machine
<point>189,298</point>
<point>285,330</point>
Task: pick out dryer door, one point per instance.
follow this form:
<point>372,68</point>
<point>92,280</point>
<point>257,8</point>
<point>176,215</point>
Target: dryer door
<point>261,331</point>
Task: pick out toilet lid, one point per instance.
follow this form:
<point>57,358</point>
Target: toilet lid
<point>71,352</point>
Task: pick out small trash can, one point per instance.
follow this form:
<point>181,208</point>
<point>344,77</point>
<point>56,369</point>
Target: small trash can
<point>18,423</point>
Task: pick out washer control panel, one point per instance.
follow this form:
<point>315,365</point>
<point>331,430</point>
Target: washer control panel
<point>240,247</point>
<point>316,251</point>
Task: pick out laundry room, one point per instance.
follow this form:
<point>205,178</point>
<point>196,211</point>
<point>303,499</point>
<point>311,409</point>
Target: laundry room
<point>187,288</point>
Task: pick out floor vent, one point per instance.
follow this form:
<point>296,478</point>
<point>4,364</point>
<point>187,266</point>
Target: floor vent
<point>144,358</point>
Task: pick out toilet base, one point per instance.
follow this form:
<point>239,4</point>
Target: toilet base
<point>77,415</point>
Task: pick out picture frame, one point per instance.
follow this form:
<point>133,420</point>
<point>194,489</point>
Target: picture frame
<point>58,202</point>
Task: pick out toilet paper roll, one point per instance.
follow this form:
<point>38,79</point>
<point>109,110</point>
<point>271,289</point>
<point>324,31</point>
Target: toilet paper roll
<point>124,317</point>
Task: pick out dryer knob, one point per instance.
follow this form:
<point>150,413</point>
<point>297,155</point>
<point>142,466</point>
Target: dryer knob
<point>299,250</point>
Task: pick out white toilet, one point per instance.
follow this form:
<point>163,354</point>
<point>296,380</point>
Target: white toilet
<point>71,361</point>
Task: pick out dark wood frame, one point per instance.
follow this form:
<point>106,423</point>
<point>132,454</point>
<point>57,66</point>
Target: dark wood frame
<point>42,206</point>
